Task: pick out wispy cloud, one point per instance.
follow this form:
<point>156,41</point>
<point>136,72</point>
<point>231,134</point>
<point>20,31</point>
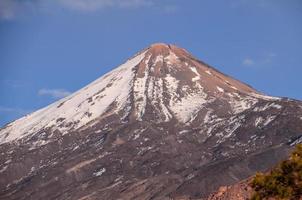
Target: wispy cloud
<point>16,111</point>
<point>9,9</point>
<point>14,83</point>
<point>248,62</point>
<point>94,5</point>
<point>265,59</point>
<point>54,93</point>
<point>269,57</point>
<point>254,3</point>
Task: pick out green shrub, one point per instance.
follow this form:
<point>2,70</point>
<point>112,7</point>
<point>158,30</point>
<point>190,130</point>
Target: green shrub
<point>284,182</point>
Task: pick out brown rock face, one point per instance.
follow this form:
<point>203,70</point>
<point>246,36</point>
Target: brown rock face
<point>163,125</point>
<point>239,191</point>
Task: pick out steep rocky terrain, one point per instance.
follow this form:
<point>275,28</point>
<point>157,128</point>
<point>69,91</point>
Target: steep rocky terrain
<point>162,125</point>
<point>283,181</point>
<point>238,191</point>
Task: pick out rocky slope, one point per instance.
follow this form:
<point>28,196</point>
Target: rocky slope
<point>239,191</point>
<point>162,125</point>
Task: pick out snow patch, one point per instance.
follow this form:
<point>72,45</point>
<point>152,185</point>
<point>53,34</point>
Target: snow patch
<point>269,120</point>
<point>187,107</point>
<point>231,130</point>
<point>4,169</point>
<point>208,72</point>
<point>100,172</point>
<point>158,100</point>
<point>159,59</point>
<point>197,77</point>
<point>233,124</point>
<point>241,104</point>
<point>265,97</point>
<point>139,89</point>
<point>261,122</point>
<point>234,87</point>
<point>172,84</point>
<point>220,89</point>
<point>267,106</point>
<point>258,121</point>
<point>207,117</point>
<point>143,150</point>
<point>137,133</point>
<point>297,141</point>
<point>183,131</point>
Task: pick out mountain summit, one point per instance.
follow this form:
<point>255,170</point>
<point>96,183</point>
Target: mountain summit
<point>162,83</point>
<point>162,125</point>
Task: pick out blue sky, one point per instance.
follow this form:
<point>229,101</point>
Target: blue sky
<point>51,48</point>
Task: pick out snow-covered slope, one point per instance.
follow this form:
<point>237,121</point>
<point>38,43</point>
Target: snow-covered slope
<point>81,107</point>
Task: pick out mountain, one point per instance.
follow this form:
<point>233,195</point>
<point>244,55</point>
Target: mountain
<point>163,125</point>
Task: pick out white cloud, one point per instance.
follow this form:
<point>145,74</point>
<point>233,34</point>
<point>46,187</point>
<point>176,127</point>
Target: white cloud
<point>94,5</point>
<point>54,93</point>
<point>264,60</point>
<point>9,9</point>
<point>248,62</point>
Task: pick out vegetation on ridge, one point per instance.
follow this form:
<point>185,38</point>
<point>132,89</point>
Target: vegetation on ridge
<point>284,182</point>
